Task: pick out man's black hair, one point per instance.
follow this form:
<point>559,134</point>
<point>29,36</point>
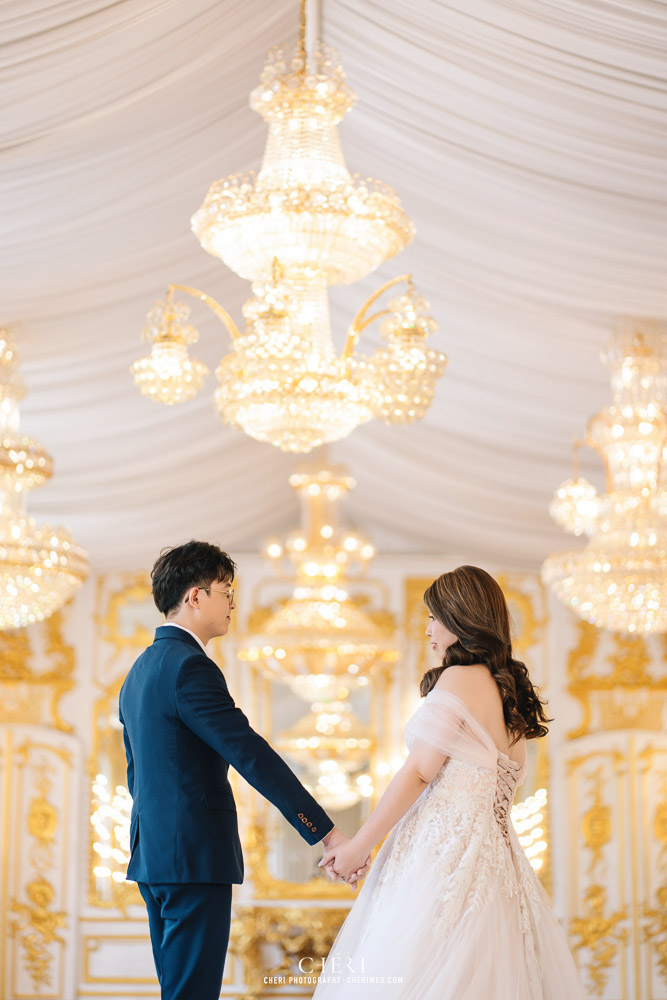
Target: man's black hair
<point>195,564</point>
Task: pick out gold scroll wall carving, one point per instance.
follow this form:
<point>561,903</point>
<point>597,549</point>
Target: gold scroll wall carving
<point>37,890</point>
<point>653,855</point>
<point>598,809</point>
<point>617,776</point>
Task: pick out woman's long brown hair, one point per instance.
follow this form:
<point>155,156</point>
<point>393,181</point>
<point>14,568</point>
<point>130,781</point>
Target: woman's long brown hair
<point>471,605</point>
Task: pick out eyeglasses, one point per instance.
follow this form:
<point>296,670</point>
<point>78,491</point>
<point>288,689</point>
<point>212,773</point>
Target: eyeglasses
<point>229,594</point>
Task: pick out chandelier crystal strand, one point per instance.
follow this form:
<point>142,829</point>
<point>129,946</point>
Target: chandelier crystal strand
<point>40,567</point>
<point>619,580</point>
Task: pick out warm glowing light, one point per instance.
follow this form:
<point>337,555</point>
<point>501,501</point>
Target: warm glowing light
<point>526,818</point>
<point>111,822</point>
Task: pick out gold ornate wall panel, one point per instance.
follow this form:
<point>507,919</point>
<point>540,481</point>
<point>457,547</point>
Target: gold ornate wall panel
<point>606,824</point>
<point>652,864</point>
<point>617,789</point>
<point>40,865</point>
<point>600,926</point>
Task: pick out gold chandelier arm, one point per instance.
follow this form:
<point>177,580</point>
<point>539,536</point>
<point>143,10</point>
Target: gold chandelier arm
<point>359,323</point>
<point>221,313</point>
<point>587,443</point>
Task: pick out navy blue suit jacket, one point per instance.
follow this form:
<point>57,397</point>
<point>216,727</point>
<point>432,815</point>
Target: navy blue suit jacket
<point>182,730</point>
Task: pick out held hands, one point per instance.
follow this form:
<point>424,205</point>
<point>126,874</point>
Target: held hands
<point>346,859</point>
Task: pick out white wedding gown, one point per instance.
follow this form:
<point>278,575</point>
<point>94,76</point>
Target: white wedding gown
<point>451,909</point>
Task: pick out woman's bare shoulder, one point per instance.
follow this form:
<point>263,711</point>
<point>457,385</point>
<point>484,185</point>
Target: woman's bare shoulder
<point>464,677</point>
<point>474,684</point>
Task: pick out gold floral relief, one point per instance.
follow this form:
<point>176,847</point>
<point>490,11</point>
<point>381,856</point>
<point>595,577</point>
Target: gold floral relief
<point>600,934</point>
<point>36,670</point>
<point>654,908</point>
<point>36,927</point>
<point>37,920</point>
<point>599,931</point>
<point>596,825</point>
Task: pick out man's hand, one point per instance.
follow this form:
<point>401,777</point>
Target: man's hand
<point>333,838</point>
<point>343,858</point>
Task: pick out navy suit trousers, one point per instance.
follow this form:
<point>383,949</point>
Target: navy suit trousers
<point>189,926</point>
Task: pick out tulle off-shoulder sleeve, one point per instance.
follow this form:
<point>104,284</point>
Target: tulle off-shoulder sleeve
<point>445,723</point>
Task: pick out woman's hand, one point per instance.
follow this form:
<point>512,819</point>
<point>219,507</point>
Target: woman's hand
<point>349,860</point>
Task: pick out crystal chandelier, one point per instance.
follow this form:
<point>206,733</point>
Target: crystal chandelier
<point>302,224</point>
<point>619,579</point>
<point>332,745</point>
<point>320,641</point>
<point>40,566</point>
<point>323,642</point>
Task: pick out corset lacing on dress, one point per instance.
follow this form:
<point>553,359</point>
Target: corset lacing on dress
<point>507,776</point>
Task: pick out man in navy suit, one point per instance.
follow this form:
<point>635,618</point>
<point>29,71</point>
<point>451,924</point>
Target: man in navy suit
<point>182,731</point>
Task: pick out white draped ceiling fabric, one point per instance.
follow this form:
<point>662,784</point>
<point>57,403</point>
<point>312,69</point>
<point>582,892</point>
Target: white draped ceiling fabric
<point>527,140</point>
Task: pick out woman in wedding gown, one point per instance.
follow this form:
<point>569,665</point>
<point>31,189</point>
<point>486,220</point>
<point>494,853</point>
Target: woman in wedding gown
<point>451,909</point>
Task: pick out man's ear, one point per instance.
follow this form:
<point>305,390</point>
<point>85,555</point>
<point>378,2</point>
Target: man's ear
<point>192,597</point>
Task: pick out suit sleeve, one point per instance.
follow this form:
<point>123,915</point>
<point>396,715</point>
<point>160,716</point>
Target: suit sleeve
<point>206,707</point>
<point>128,754</point>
